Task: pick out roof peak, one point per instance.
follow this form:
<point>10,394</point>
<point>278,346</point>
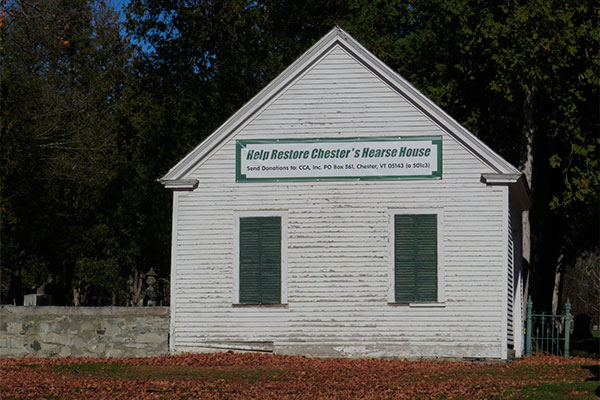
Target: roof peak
<point>337,36</point>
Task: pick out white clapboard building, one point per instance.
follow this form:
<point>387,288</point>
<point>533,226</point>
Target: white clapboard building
<point>342,213</point>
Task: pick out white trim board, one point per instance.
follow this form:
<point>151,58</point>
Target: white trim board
<point>441,293</point>
<point>283,214</point>
<point>173,293</point>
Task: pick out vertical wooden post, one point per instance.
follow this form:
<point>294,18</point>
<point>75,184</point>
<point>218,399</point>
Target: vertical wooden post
<point>528,329</point>
<point>567,328</point>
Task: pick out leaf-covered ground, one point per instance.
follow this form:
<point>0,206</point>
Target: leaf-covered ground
<point>264,376</point>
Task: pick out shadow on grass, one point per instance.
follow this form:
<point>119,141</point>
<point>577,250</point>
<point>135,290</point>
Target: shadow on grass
<point>595,370</point>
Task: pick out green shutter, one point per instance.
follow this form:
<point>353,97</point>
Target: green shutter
<point>249,260</point>
<point>270,265</point>
<point>415,257</point>
<point>405,258</point>
<point>260,260</point>
<point>426,286</point>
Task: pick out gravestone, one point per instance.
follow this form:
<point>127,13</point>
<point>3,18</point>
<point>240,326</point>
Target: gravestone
<point>41,297</point>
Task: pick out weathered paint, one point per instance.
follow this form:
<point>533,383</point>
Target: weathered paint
<point>174,274</point>
<point>338,236</point>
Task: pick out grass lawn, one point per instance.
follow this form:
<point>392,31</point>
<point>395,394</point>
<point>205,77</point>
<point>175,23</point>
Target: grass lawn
<point>264,376</point>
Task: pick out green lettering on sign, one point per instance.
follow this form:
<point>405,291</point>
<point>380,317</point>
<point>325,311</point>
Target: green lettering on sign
<point>415,157</point>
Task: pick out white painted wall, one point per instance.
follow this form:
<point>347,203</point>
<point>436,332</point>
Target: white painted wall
<point>510,273</point>
<point>517,297</point>
<point>338,238</point>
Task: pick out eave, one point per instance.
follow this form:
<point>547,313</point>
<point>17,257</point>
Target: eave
<point>179,184</point>
<point>518,187</point>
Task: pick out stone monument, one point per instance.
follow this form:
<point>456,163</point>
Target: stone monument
<point>42,296</point>
<point>151,295</point>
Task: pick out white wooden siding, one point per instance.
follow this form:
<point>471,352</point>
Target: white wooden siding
<point>510,282</point>
<point>338,237</point>
<point>517,295</point>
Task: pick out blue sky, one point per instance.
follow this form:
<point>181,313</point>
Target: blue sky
<point>119,5</point>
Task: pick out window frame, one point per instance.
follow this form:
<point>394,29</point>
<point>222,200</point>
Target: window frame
<point>441,295</point>
<point>236,255</point>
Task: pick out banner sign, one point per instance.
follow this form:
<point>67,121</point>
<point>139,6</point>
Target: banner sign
<point>335,159</point>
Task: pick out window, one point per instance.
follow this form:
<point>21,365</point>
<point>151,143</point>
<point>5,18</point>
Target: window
<point>415,258</point>
<point>260,260</point>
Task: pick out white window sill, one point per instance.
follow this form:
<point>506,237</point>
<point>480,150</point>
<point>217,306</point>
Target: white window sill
<point>419,305</point>
<point>245,305</point>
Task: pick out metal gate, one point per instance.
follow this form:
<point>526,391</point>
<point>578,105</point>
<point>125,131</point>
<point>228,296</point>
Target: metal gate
<point>547,333</point>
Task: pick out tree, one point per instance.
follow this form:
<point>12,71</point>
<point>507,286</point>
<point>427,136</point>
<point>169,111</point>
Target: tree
<point>88,126</point>
<point>582,285</point>
<point>200,61</point>
<point>523,76</point>
<point>62,73</point>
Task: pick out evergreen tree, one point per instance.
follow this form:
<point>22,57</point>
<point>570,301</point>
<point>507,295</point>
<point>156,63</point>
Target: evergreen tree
<point>522,75</point>
<point>63,65</point>
<point>87,125</point>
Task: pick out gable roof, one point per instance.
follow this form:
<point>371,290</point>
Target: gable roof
<point>176,178</point>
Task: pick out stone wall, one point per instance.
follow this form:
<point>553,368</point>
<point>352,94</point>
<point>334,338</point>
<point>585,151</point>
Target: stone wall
<point>83,331</point>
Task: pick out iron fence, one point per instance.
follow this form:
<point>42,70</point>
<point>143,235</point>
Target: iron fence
<point>548,333</point>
